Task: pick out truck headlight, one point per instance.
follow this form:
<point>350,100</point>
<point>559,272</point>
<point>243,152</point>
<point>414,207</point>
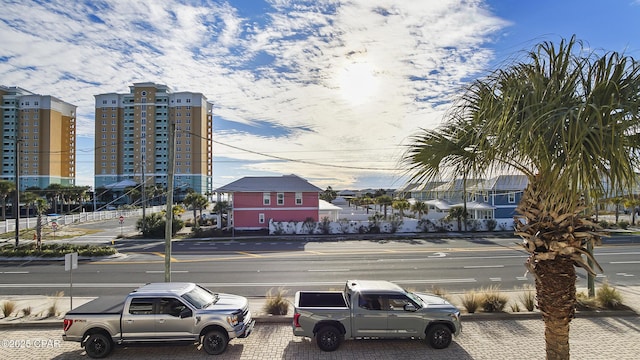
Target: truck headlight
<point>232,320</point>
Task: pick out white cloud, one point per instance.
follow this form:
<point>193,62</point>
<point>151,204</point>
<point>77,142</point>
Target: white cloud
<point>280,67</point>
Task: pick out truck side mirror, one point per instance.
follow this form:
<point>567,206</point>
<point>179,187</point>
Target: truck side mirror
<point>410,307</point>
<point>185,313</point>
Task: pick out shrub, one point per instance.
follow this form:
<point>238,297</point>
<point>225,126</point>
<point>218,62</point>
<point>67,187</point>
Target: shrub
<point>325,226</point>
<point>585,303</point>
<point>491,224</point>
<point>276,303</point>
<point>492,300</point>
<point>7,308</point>
<point>153,226</point>
<point>26,311</point>
<point>515,307</point>
<point>623,224</point>
<point>470,301</point>
<point>608,297</point>
<point>53,309</point>
<point>528,299</point>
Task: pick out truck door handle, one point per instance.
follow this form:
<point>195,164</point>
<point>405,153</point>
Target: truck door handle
<point>392,315</point>
<point>161,321</point>
<point>129,321</point>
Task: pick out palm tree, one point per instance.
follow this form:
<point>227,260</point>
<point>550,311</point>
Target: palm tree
<point>421,208</point>
<point>221,207</point>
<point>384,201</point>
<point>41,205</point>
<point>457,213</point>
<point>568,120</point>
<point>401,205</point>
<point>196,201</point>
<point>6,188</point>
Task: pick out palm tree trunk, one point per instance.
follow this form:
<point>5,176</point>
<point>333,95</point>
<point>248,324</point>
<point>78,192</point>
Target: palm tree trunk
<point>556,295</point>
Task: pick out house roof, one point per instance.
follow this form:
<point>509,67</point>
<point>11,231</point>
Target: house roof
<point>503,183</point>
<point>268,184</point>
<point>439,203</point>
<point>474,205</point>
<point>455,185</point>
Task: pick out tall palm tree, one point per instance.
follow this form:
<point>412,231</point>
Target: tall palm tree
<point>569,120</point>
<point>41,205</point>
<point>384,201</point>
<point>6,188</point>
<point>195,201</point>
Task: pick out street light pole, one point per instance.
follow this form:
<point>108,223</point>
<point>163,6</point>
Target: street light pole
<point>169,211</point>
<point>16,163</point>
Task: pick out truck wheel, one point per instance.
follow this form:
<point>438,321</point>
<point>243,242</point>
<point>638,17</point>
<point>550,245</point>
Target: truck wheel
<point>98,346</point>
<point>328,338</point>
<point>439,336</point>
<point>215,342</point>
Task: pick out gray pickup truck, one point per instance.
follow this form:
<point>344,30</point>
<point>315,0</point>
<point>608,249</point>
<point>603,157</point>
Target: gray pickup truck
<point>373,309</point>
<point>159,312</point>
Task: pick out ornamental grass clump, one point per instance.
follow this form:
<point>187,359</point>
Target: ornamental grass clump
<point>470,301</point>
<point>276,303</point>
<point>7,308</point>
<point>608,297</point>
<point>528,298</point>
<point>493,300</point>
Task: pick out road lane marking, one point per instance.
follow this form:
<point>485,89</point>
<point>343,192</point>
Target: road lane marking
<point>327,270</point>
<point>495,279</point>
<point>624,262</point>
<point>249,254</point>
<point>162,271</point>
<point>14,272</point>
<point>483,266</point>
<point>162,256</point>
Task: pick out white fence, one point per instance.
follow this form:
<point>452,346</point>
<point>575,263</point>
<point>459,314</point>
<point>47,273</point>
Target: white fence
<point>9,225</point>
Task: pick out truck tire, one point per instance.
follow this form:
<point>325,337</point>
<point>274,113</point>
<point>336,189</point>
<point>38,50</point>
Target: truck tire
<point>439,336</point>
<point>215,342</point>
<point>328,338</point>
<point>98,346</point>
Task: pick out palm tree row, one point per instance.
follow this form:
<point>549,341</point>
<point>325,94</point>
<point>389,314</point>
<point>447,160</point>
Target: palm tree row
<point>568,119</point>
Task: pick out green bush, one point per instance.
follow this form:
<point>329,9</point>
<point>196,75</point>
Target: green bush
<point>528,299</point>
<point>56,250</point>
<point>153,226</point>
<point>623,224</point>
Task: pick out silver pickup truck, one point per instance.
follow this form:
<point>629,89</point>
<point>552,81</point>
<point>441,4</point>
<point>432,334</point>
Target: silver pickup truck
<point>373,309</point>
<point>159,312</point>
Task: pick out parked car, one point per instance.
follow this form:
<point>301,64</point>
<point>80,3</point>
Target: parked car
<point>159,312</point>
<point>379,309</point>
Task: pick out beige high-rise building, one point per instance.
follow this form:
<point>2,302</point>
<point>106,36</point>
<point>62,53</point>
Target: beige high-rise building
<point>46,128</point>
<point>132,143</point>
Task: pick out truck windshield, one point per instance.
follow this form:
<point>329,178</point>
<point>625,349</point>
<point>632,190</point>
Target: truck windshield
<point>415,299</point>
<point>200,298</point>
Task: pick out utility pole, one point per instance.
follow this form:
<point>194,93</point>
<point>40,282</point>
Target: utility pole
<point>168,228</point>
<point>16,163</point>
<point>144,199</point>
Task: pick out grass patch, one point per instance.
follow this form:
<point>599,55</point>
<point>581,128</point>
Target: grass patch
<point>438,291</point>
<point>585,303</point>
<point>276,303</point>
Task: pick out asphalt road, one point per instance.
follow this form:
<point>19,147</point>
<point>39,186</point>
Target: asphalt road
<point>251,268</point>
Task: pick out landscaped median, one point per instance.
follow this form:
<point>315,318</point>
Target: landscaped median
<point>55,250</point>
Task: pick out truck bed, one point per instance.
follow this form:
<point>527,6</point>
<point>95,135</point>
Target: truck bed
<point>320,299</point>
<point>100,306</point>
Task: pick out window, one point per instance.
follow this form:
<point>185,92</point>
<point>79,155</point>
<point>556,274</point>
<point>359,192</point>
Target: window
<point>512,198</point>
<point>266,198</point>
<point>261,218</point>
<point>280,198</point>
<point>485,196</point>
<point>141,306</point>
<point>171,306</point>
<point>370,302</point>
<point>298,198</point>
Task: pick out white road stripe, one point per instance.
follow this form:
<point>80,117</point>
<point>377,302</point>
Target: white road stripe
<point>162,271</point>
<point>483,266</point>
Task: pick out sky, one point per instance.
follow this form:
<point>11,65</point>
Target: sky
<point>328,90</point>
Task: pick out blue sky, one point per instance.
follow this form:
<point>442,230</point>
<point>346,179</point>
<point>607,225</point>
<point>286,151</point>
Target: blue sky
<point>328,90</point>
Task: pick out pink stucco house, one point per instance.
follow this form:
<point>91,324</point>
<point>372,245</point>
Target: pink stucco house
<point>257,200</point>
